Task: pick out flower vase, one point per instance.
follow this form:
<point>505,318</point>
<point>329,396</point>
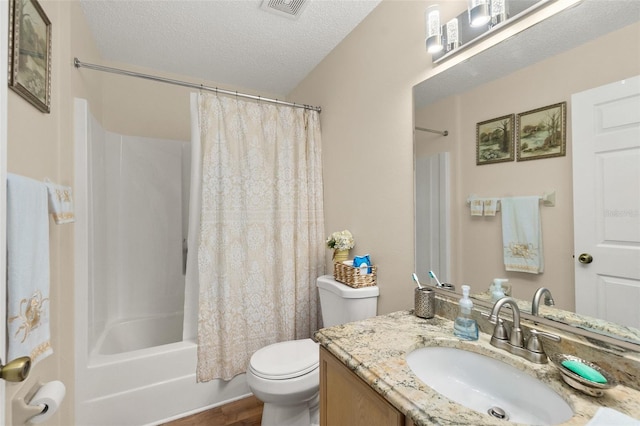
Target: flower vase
<point>340,255</point>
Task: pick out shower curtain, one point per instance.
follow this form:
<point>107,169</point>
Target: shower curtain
<point>261,244</point>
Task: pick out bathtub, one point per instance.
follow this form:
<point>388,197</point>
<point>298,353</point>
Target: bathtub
<point>140,333</point>
<point>125,384</point>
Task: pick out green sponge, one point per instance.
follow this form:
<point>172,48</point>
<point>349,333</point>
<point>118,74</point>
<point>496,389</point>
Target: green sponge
<point>584,371</point>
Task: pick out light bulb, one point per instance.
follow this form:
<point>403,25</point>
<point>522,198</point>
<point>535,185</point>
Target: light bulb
<point>434,31</point>
<point>452,34</point>
<point>498,11</point>
<point>478,13</point>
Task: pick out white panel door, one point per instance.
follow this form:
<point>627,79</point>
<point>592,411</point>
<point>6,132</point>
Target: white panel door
<point>606,185</point>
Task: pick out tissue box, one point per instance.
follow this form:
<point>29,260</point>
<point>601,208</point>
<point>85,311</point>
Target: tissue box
<point>345,273</point>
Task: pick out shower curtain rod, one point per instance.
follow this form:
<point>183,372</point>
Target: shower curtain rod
<point>78,64</point>
<point>440,132</point>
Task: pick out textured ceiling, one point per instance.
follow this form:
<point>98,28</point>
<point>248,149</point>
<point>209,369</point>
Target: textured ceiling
<point>230,42</point>
<point>568,29</point>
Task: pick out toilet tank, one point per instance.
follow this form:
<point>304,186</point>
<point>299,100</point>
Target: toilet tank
<point>341,304</point>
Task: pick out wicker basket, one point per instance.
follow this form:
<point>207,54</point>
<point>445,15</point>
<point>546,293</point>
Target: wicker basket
<point>352,277</point>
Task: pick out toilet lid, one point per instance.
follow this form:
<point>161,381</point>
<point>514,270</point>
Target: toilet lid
<point>285,360</point>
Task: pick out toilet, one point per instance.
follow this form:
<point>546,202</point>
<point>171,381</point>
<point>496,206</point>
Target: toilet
<point>286,375</point>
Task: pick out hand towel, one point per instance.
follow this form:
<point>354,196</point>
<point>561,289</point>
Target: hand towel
<point>608,416</point>
<point>522,234</point>
<point>27,269</point>
<point>476,207</point>
<point>60,203</point>
<point>490,206</point>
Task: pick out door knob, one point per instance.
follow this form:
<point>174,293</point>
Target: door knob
<point>16,370</point>
<point>585,258</point>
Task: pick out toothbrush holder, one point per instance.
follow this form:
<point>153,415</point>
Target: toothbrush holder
<point>425,302</point>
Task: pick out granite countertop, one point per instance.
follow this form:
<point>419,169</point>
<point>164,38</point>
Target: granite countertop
<point>375,350</point>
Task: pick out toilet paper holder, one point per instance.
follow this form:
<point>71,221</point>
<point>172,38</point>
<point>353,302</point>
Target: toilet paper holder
<point>22,412</point>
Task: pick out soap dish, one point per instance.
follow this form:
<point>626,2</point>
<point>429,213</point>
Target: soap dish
<point>580,383</point>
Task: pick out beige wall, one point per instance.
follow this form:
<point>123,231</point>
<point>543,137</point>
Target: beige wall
<point>365,89</point>
<point>478,246</point>
<point>140,107</point>
<point>39,146</point>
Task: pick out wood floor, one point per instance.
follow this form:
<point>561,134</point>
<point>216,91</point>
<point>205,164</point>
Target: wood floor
<point>244,412</point>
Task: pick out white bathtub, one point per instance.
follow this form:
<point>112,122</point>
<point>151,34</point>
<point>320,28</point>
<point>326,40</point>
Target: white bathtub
<point>140,333</point>
<point>123,385</point>
<point>149,387</point>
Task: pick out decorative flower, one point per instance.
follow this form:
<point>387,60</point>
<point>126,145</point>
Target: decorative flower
<point>342,240</point>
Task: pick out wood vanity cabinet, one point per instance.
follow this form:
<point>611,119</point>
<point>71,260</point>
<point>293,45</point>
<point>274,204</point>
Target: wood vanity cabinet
<point>346,400</point>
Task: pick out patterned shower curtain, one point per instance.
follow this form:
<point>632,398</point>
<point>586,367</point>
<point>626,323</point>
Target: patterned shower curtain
<point>261,233</point>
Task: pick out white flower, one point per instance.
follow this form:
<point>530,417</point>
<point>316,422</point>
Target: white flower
<point>342,240</point>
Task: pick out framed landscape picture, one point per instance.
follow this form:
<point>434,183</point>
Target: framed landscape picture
<point>494,140</point>
<point>542,132</point>
<point>30,53</point>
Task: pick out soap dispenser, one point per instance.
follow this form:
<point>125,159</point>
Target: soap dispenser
<point>497,291</point>
<point>465,327</point>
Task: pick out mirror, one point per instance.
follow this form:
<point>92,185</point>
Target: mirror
<point>577,49</point>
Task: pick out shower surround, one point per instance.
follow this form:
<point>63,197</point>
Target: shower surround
<point>135,363</point>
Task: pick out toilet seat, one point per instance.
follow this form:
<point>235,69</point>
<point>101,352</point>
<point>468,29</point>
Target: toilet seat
<point>285,360</point>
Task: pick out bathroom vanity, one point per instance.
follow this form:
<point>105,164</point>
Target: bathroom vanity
<point>365,379</point>
<point>347,399</point>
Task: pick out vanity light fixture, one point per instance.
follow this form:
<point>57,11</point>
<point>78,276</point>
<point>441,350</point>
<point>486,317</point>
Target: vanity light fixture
<point>481,19</point>
<point>478,13</point>
<point>434,30</point>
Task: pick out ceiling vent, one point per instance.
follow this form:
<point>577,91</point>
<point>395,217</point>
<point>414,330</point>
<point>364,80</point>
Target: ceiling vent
<point>291,9</point>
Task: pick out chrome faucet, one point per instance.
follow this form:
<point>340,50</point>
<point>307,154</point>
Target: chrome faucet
<point>515,342</point>
<point>499,332</point>
<point>548,300</point>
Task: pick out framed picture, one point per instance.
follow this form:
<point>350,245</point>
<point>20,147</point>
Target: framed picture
<point>30,53</point>
<point>494,140</point>
<point>542,132</point>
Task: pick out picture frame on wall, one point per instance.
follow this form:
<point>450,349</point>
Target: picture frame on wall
<point>30,53</point>
<point>542,132</point>
<point>494,140</point>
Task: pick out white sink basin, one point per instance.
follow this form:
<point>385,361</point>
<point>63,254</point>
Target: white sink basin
<point>482,384</point>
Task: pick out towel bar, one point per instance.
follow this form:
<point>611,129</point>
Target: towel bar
<point>548,199</point>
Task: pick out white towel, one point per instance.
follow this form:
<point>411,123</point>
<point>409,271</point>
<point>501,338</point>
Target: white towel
<point>27,269</point>
<point>609,417</point>
<point>60,203</point>
<point>522,234</point>
<point>476,206</point>
<point>490,206</point>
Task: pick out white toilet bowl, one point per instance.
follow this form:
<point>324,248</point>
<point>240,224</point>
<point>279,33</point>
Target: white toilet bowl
<point>285,376</point>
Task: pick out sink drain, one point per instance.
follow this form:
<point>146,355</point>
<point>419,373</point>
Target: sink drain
<point>498,413</point>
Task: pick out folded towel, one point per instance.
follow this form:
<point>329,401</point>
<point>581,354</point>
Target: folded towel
<point>27,269</point>
<point>60,203</point>
<point>490,206</point>
<point>476,207</point>
<point>609,417</point>
<point>522,234</point>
